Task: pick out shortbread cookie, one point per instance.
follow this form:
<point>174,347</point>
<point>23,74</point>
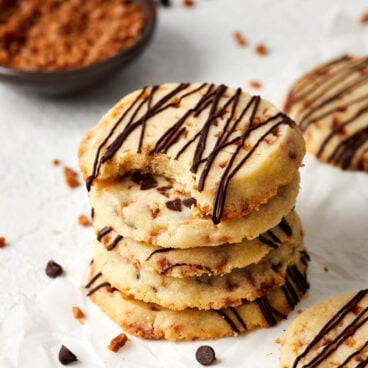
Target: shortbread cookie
<point>150,321</point>
<point>331,334</point>
<point>330,105</point>
<point>158,211</point>
<point>203,292</point>
<point>197,261</point>
<point>229,150</point>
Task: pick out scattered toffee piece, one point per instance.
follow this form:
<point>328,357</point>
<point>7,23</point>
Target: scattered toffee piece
<point>240,39</point>
<point>117,342</point>
<point>261,49</point>
<point>205,355</point>
<point>174,205</point>
<point>83,220</point>
<point>53,269</point>
<point>66,356</point>
<point>71,177</point>
<point>189,202</point>
<point>2,242</point>
<point>77,313</point>
<point>148,182</point>
<point>255,84</point>
<point>56,162</point>
<point>188,3</point>
<point>364,18</point>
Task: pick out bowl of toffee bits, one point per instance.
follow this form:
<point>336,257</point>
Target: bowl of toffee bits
<point>62,46</point>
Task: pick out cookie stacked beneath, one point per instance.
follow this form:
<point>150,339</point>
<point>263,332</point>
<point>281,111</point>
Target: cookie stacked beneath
<point>193,188</point>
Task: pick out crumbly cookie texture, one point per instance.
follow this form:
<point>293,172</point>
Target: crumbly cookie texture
<point>203,292</point>
<point>151,321</point>
<point>333,333</point>
<point>198,261</point>
<point>330,106</point>
<point>163,214</point>
<point>231,151</point>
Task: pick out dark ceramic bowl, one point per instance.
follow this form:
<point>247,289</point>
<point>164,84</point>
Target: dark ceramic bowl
<point>63,82</point>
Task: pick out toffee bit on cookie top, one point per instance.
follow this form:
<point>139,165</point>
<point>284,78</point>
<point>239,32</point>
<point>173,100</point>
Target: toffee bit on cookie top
<point>231,151</point>
<point>56,35</point>
<point>118,342</point>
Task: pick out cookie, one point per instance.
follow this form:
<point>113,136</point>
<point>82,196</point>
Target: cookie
<point>231,151</point>
<point>333,333</point>
<point>329,104</point>
<point>197,261</point>
<point>163,213</point>
<point>203,292</point>
<point>151,321</point>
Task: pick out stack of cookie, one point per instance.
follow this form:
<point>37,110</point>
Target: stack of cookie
<point>193,188</point>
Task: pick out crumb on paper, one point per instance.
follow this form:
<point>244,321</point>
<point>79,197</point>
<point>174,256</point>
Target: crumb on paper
<point>261,49</point>
<point>325,269</point>
<point>364,18</point>
<point>188,3</point>
<point>78,313</point>
<point>166,3</point>
<point>117,342</point>
<point>56,162</point>
<point>299,311</point>
<point>71,177</point>
<point>278,341</point>
<point>2,241</point>
<point>255,84</point>
<point>240,39</point>
<point>83,220</point>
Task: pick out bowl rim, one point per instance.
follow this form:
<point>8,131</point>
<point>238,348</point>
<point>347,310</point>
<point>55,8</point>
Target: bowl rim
<point>151,20</point>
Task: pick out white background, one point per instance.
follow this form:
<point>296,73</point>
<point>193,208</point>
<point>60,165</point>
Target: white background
<point>38,212</point>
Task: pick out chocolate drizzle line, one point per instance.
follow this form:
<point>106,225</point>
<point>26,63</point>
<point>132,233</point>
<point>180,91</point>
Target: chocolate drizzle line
<point>93,279</point>
<point>268,242</point>
<point>285,227</point>
<point>344,152</point>
<point>114,243</point>
<point>334,323</point>
<point>211,98</point>
<point>197,266</point>
<point>353,355</point>
<point>103,232</point>
<point>227,319</point>
<point>97,288</point>
<point>162,250</point>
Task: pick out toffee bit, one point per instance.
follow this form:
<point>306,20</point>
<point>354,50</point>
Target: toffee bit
<point>66,356</point>
<point>56,162</point>
<point>174,205</point>
<point>117,342</point>
<point>188,3</point>
<point>255,84</point>
<point>205,355</point>
<point>77,313</point>
<point>83,220</point>
<point>53,269</point>
<point>261,49</point>
<point>71,177</point>
<point>2,241</point>
<point>364,18</point>
<point>240,39</point>
<point>189,202</point>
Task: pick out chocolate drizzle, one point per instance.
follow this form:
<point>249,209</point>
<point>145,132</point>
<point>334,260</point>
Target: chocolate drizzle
<point>323,100</point>
<point>114,243</point>
<point>218,104</point>
<point>332,344</point>
<point>103,232</point>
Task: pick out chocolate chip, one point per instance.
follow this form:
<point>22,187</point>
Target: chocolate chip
<point>163,189</point>
<point>189,202</point>
<point>165,2</point>
<point>66,356</point>
<point>137,177</point>
<point>53,269</point>
<point>205,355</point>
<point>174,205</point>
<point>148,182</point>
